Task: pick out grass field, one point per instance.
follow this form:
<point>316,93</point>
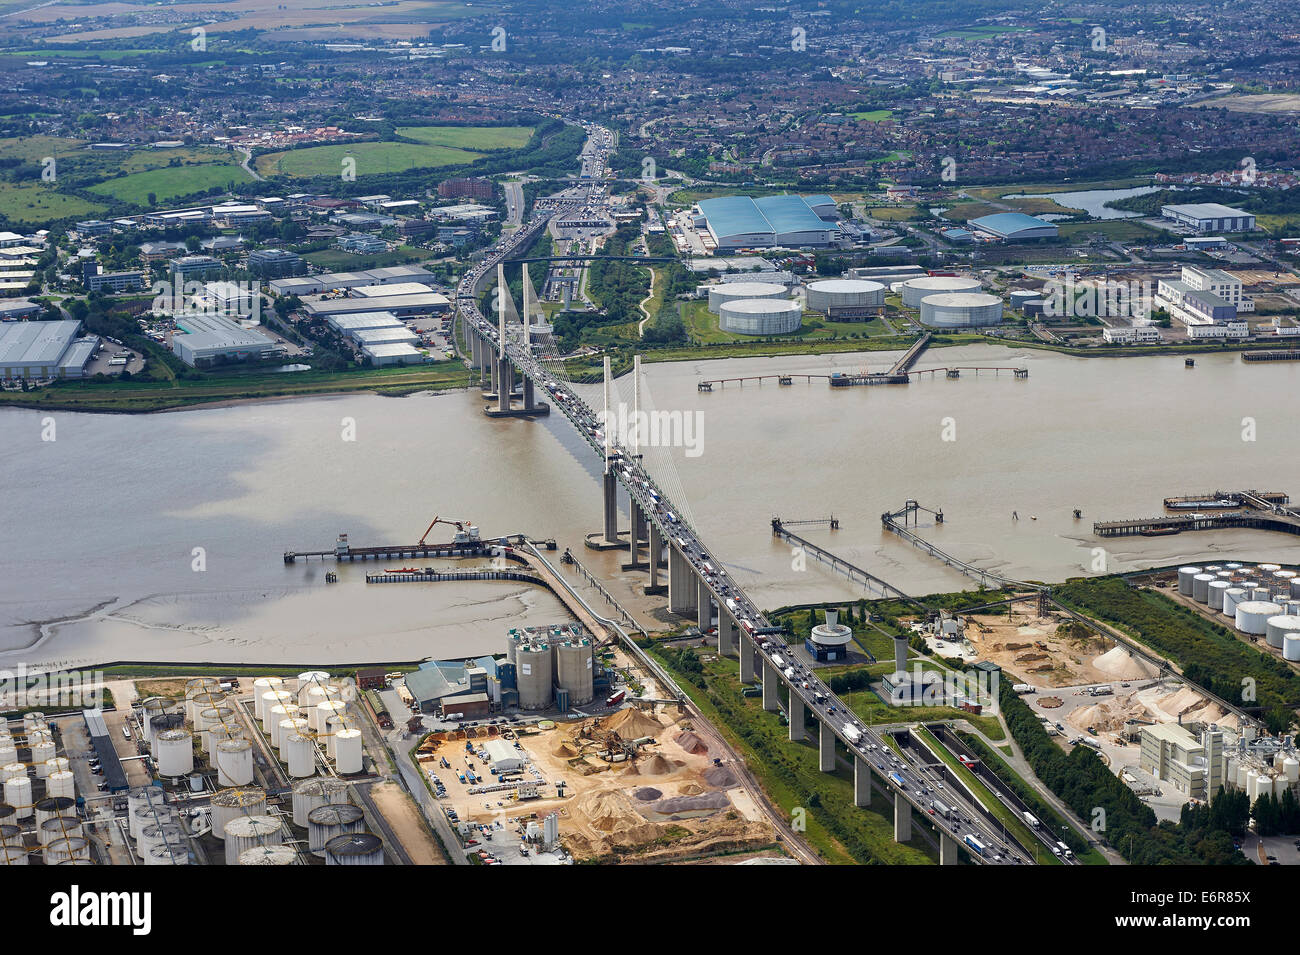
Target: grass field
<point>873,116</point>
<point>35,204</point>
<point>335,260</point>
<point>36,148</point>
<point>170,181</point>
<point>469,137</point>
<point>370,158</point>
<point>1117,230</point>
<point>903,213</point>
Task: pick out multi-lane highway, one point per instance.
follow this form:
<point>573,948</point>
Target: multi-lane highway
<point>916,784</point>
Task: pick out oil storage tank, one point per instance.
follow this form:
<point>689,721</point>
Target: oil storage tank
<point>261,686</point>
<point>269,855</point>
<point>328,822</point>
<point>574,660</point>
<point>313,793</point>
<point>735,291</point>
<point>535,675</point>
<point>1291,647</point>
<point>228,804</point>
<point>1217,588</point>
<point>347,752</point>
<point>174,753</point>
<point>300,755</point>
<point>917,289</point>
<point>846,298</point>
<point>355,848</point>
<point>1252,615</point>
<point>1185,577</point>
<point>760,317</point>
<point>1278,627</point>
<point>961,310</point>
<point>1231,597</point>
<point>248,832</point>
<point>1201,587</point>
<point>234,760</point>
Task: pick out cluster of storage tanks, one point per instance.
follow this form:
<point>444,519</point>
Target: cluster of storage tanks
<point>755,308</point>
<point>295,720</point>
<point>951,301</point>
<point>53,815</point>
<point>552,665</point>
<point>1262,600</point>
<point>1264,774</point>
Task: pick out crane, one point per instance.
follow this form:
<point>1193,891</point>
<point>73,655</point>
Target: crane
<point>462,536</point>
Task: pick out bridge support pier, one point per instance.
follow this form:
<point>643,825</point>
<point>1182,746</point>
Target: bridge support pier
<point>703,606</point>
<point>505,383</point>
<point>747,654</point>
<point>611,507</point>
<point>726,634</point>
<point>947,849</point>
<point>902,818</point>
<point>682,591</point>
<point>825,747</point>
<point>635,536</point>
<point>656,560</point>
<point>530,403</point>
<point>771,701</point>
<point>798,714</point>
<point>861,782</point>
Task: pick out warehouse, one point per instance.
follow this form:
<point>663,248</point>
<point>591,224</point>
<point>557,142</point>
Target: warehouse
<point>390,335</point>
<point>346,325</point>
<point>396,289</point>
<point>758,316</point>
<point>846,299</point>
<point>1209,217</point>
<point>14,309</point>
<point>737,291</point>
<point>1014,227</point>
<point>402,306</point>
<point>737,222</point>
<point>205,338</point>
<point>914,290</point>
<point>961,310</point>
<point>502,757</point>
<point>392,353</point>
<point>39,350</point>
<point>315,284</point>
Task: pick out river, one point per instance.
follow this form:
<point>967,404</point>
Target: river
<point>102,523</point>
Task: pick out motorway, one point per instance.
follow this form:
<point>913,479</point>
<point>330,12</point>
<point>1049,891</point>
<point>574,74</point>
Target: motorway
<point>918,783</point>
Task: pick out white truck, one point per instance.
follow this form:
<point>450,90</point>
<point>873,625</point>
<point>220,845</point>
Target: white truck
<point>852,733</point>
<point>1031,819</point>
<point>1022,688</point>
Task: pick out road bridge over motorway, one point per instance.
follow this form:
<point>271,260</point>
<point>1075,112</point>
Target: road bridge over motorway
<point>696,583</point>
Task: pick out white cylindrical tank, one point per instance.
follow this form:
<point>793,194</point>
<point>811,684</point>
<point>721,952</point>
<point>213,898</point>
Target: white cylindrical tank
<point>1217,587</point>
<point>328,822</point>
<point>313,793</point>
<point>53,806</point>
<point>272,698</point>
<point>355,848</point>
<point>161,724</point>
<point>201,701</point>
<point>158,834</point>
<point>961,310</point>
<point>229,804</point>
<point>1201,587</point>
<point>309,678</point>
<point>320,714</point>
<point>830,295</point>
<point>1291,647</point>
<point>213,714</point>
<point>66,850</point>
<point>300,755</point>
<point>174,753</point>
<point>13,855</point>
<point>275,717</point>
<point>146,816</point>
<point>1231,597</point>
<point>140,798</point>
<point>56,764</point>
<point>234,762</point>
<point>347,752</point>
<point>1278,627</point>
<point>18,793</point>
<point>1291,769</point>
<point>756,316</point>
<point>262,686</point>
<point>923,286</point>
<point>341,722</point>
<point>216,733</point>
<point>8,754</point>
<point>33,721</point>
<point>534,673</point>
<point>13,770</point>
<point>318,693</point>
<point>62,783</point>
<point>168,854</point>
<point>1268,568</point>
<point>1295,589</point>
<point>42,753</point>
<point>574,661</point>
<point>288,728</point>
<point>269,855</point>
<point>725,292</point>
<point>1185,575</point>
<point>58,827</point>
<point>11,834</point>
<point>249,832</point>
<point>1261,594</point>
<point>1252,615</point>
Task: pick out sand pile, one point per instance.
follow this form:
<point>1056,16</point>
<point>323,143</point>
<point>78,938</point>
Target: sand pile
<point>719,776</point>
<point>1102,716</point>
<point>1119,663</point>
<point>632,724</point>
<point>631,770</point>
<point>657,765</point>
<point>647,793</point>
<point>691,803</point>
<point>565,750</point>
<point>608,811</point>
<point>690,789</point>
<point>691,743</point>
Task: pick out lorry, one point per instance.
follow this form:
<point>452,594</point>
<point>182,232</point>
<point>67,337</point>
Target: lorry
<point>616,698</point>
<point>897,780</point>
<point>941,808</point>
<point>852,733</point>
<point>1031,819</point>
<point>1022,688</point>
<point>976,846</point>
<point>779,661</point>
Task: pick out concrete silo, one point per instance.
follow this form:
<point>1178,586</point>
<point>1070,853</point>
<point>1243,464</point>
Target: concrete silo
<point>574,660</point>
<point>536,678</point>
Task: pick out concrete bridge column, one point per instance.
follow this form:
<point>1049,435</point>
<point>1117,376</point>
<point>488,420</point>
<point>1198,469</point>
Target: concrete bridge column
<point>495,367</point>
<point>656,559</point>
<point>771,701</point>
<point>798,719</point>
<point>902,818</point>
<point>611,507</point>
<point>726,634</point>
<point>505,384</point>
<point>529,402</point>
<point>826,748</point>
<point>635,536</point>
<point>861,782</point>
<point>947,849</point>
<point>747,654</point>
<point>703,605</point>
<point>682,591</point>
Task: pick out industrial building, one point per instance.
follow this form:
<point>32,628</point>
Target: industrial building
<point>1014,227</point>
<point>401,306</point>
<point>361,244</point>
<point>830,641</point>
<point>17,309</point>
<point>347,325</point>
<point>886,275</point>
<point>328,281</point>
<point>397,289</point>
<point>736,222</point>
<point>737,291</point>
<point>915,289</point>
<point>206,338</point>
<point>1194,766</point>
<point>549,666</point>
<point>502,757</point>
<point>846,299</point>
<point>756,316</point>
<point>392,353</point>
<point>961,310</point>
<point>42,350</point>
<point>400,335</point>
<point>1209,217</point>
<point>275,263</point>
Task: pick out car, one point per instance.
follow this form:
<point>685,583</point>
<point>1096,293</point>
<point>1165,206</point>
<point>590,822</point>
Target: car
<point>102,787</point>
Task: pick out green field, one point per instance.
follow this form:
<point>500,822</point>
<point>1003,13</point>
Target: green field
<point>873,116</point>
<point>370,158</point>
<point>170,181</point>
<point>36,148</point>
<point>338,260</point>
<point>35,204</point>
<point>469,137</point>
